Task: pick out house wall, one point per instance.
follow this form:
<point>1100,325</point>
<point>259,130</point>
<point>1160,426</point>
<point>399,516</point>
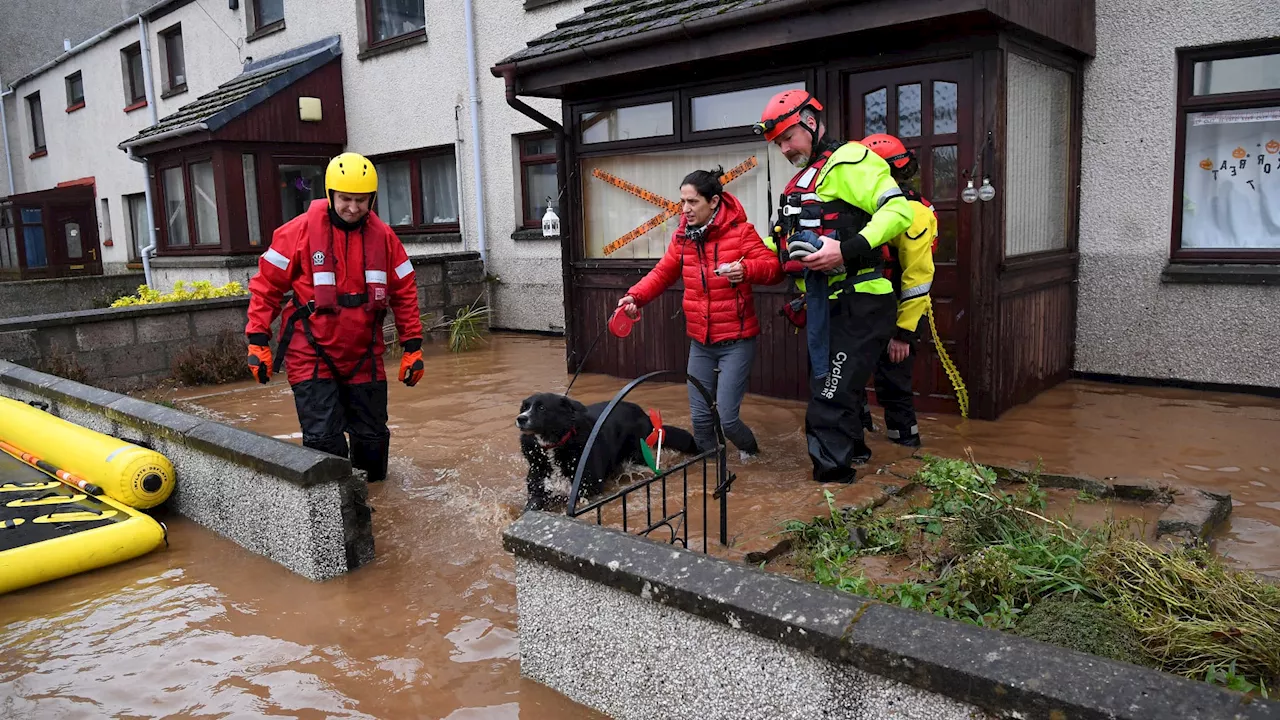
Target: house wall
<point>409,98</point>
<point>1129,322</point>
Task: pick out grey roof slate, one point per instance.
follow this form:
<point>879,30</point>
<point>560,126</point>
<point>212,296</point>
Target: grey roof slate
<point>259,81</point>
<point>610,19</point>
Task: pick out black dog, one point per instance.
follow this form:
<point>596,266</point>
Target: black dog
<point>561,425</point>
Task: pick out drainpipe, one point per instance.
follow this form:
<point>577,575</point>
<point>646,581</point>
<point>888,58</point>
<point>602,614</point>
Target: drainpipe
<point>475,127</point>
<point>146,166</point>
<point>4,130</point>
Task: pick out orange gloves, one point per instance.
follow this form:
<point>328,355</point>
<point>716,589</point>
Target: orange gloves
<point>411,365</point>
<point>260,362</point>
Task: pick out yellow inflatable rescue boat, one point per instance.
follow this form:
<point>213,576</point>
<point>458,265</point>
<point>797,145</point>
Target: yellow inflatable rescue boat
<point>70,497</point>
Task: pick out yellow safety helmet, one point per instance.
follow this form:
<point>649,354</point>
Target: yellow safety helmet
<point>350,173</point>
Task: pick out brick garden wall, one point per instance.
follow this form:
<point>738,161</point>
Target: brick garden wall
<point>41,297</point>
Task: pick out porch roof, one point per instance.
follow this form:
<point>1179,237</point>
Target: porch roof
<point>617,37</point>
<point>257,84</point>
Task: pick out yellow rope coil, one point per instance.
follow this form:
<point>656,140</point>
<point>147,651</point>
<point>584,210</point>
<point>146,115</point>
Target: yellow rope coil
<point>962,394</point>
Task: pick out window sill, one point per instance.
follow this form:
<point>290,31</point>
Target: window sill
<point>417,37</point>
<point>531,234</point>
<point>136,106</point>
<point>430,238</point>
<point>77,106</point>
<point>1199,274</point>
<point>38,154</point>
<point>174,91</point>
<point>265,30</point>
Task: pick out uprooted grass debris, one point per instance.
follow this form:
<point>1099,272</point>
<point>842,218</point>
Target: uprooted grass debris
<point>985,555</point>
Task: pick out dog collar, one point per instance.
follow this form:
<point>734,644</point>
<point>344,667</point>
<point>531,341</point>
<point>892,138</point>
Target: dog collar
<point>567,436</point>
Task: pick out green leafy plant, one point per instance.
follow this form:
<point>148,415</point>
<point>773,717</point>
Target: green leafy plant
<point>198,290</point>
<point>466,329</point>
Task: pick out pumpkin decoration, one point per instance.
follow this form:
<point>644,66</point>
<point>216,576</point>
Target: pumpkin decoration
<point>1239,153</point>
<point>1273,147</point>
<point>1206,164</point>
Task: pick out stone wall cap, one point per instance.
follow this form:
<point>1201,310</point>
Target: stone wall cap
<point>997,671</point>
<point>77,317</point>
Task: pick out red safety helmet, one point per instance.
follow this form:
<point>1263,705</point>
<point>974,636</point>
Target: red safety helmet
<point>890,148</point>
<point>782,111</point>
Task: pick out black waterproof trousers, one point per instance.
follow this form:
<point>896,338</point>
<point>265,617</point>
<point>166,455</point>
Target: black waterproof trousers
<point>893,392</point>
<point>861,326</point>
<point>329,411</point>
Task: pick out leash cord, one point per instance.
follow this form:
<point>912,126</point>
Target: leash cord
<point>585,357</point>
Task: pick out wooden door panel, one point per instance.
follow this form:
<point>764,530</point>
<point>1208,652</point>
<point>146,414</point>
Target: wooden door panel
<point>929,107</point>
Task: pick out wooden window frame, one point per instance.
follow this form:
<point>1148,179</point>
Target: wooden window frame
<point>162,229</point>
<point>133,100</point>
<point>372,43</point>
<point>73,103</point>
<point>166,38</point>
<point>1189,103</point>
<point>39,145</point>
<point>414,157</point>
<point>528,161</point>
<point>259,28</point>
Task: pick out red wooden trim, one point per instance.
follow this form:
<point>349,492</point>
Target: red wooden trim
<point>136,106</point>
<point>528,161</point>
<point>84,181</point>
<point>38,154</point>
<point>77,106</point>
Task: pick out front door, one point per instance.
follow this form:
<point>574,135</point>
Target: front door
<point>75,241</point>
<point>929,108</point>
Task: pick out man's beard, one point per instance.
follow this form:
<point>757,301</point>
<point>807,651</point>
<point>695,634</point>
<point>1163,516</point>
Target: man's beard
<point>799,161</point>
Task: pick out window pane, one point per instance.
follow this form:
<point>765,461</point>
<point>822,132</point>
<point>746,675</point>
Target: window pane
<point>75,90</point>
<point>175,208</point>
<point>946,183</point>
<point>610,213</point>
<point>393,18</point>
<point>628,123</point>
<point>37,121</point>
<point>206,204</point>
<point>740,108</point>
<point>1231,186</point>
<point>139,224</point>
<point>71,234</point>
<point>1246,74</point>
<point>254,220</point>
<point>539,146</point>
<point>439,190</point>
<point>876,107</point>
<point>395,193</point>
<point>177,62</point>
<point>299,185</point>
<point>33,239</point>
<point>137,86</point>
<point>909,110</point>
<point>946,108</point>
<point>269,11</point>
<point>32,216</point>
<point>947,234</point>
<point>1039,135</point>
<point>539,184</point>
<point>8,246</point>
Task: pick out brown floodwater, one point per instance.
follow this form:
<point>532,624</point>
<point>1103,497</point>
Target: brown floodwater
<point>428,630</point>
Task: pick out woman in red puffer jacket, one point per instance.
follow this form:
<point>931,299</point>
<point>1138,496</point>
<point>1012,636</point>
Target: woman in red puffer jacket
<point>719,256</point>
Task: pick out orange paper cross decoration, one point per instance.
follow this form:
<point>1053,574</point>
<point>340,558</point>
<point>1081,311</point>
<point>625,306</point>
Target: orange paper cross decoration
<point>670,209</point>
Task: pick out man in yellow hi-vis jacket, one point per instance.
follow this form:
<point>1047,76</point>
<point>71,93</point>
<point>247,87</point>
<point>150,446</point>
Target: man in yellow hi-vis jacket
<point>846,198</point>
<point>910,257</point>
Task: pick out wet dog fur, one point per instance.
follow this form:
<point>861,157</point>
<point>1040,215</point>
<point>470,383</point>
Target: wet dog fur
<point>555,428</point>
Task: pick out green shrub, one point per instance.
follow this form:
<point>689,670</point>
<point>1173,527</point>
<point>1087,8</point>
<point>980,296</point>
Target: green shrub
<point>198,290</point>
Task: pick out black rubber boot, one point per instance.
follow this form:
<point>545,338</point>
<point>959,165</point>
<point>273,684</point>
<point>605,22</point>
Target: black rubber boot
<point>371,456</point>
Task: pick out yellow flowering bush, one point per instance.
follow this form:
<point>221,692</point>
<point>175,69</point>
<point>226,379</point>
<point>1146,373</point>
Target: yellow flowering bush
<point>198,290</point>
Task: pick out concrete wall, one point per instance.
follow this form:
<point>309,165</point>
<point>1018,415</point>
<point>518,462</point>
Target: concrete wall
<point>122,348</point>
<point>131,347</point>
<point>409,98</point>
<point>40,297</point>
<point>639,629</point>
<point>1130,322</point>
<point>301,508</point>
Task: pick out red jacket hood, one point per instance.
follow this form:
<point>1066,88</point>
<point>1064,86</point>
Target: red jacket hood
<point>731,212</point>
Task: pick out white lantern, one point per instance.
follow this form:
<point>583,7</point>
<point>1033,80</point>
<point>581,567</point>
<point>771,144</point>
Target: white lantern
<point>970,194</point>
<point>986,193</point>
<point>550,222</point>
